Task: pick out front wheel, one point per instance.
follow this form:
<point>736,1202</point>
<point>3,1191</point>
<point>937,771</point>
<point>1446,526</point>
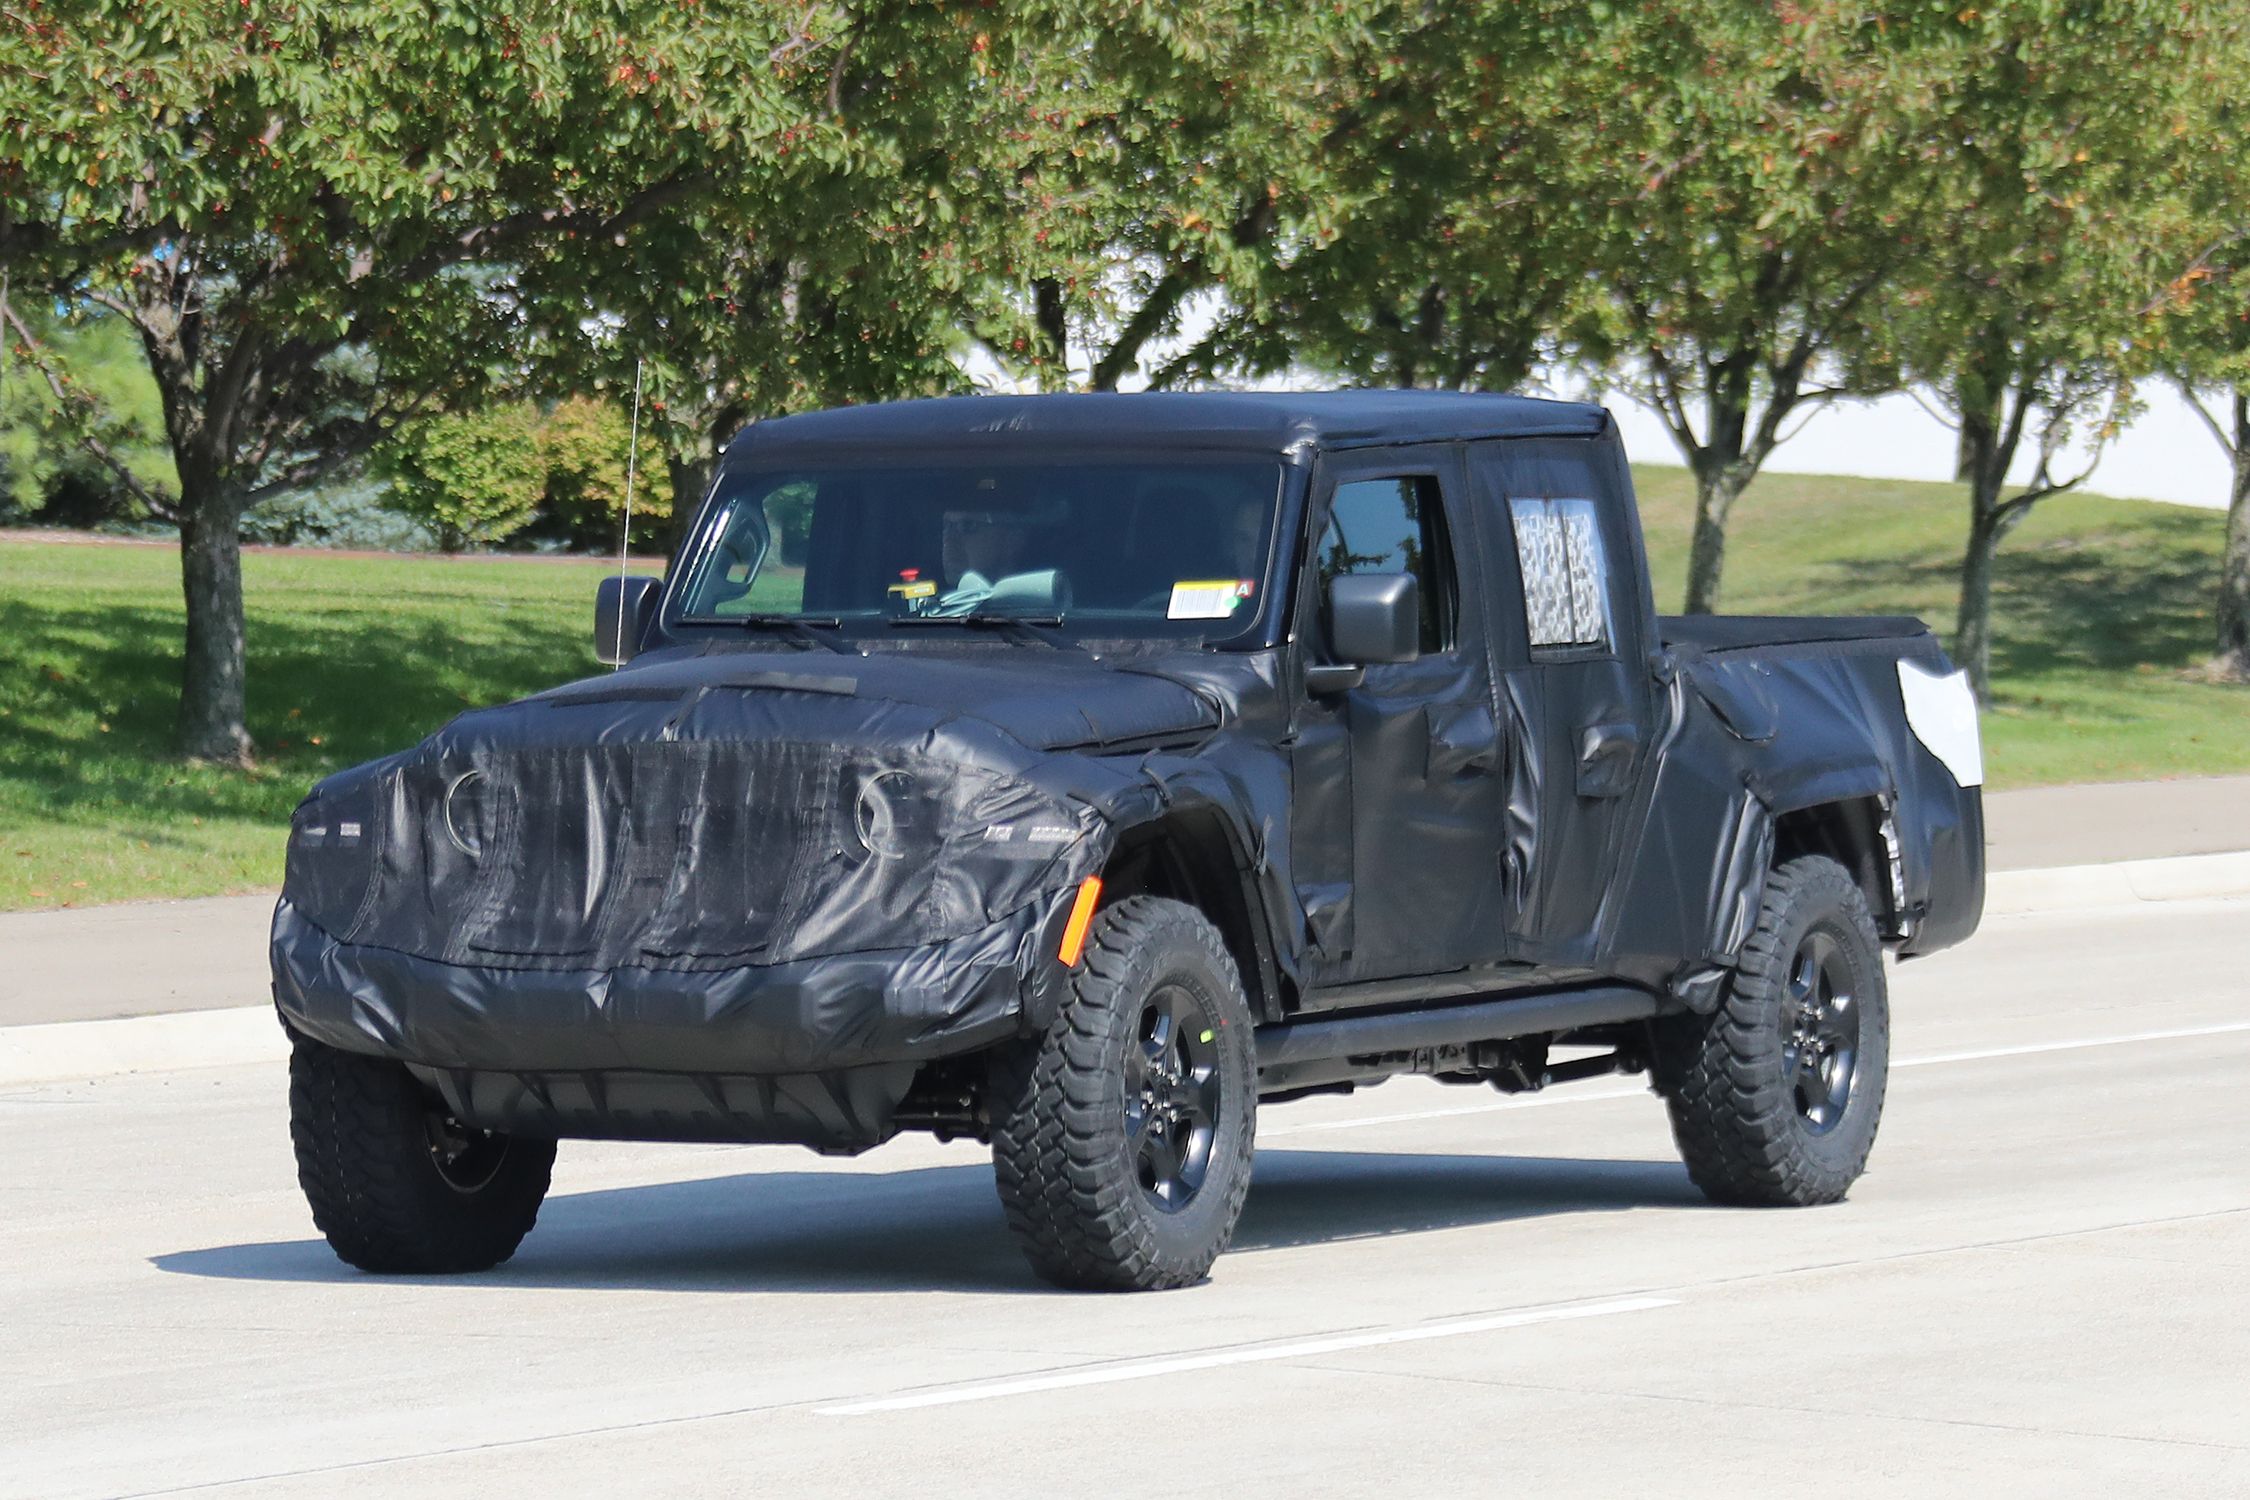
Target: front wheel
<point>1122,1134</point>
<point>1776,1094</point>
<point>395,1182</point>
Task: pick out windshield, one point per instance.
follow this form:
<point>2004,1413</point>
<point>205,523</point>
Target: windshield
<point>1101,549</point>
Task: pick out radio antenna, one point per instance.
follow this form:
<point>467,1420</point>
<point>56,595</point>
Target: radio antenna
<point>625,529</point>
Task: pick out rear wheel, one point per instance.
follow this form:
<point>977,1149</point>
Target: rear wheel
<point>1122,1135</point>
<point>1776,1094</point>
<point>396,1183</point>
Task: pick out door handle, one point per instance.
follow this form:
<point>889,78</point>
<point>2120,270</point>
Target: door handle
<point>1606,753</point>
<point>1464,741</point>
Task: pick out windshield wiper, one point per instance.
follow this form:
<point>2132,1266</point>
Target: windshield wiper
<point>1024,627</point>
<point>805,628</point>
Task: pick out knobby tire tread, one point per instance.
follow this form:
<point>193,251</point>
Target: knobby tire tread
<point>1733,1113</point>
<point>1079,1219</point>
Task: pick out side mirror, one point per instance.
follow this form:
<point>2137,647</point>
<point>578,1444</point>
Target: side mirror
<point>1373,618</point>
<point>624,608</point>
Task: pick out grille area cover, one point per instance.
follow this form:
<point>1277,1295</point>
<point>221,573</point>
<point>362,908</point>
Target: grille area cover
<point>581,857</point>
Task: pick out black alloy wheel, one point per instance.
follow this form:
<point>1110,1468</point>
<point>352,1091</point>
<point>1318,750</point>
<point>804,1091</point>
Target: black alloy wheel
<point>466,1158</point>
<point>1172,1097</point>
<point>1822,1053</point>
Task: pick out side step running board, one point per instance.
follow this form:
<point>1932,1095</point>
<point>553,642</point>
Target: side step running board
<point>1293,1052</point>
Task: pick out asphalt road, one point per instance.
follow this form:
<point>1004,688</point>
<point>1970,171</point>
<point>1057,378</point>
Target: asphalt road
<point>2042,1287</point>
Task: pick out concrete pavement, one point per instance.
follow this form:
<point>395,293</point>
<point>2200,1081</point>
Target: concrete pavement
<point>2040,1288</point>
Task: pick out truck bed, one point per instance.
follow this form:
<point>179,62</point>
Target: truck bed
<point>1710,633</point>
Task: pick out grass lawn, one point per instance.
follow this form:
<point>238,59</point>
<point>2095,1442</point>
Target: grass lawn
<point>350,658</point>
<point>2104,615</point>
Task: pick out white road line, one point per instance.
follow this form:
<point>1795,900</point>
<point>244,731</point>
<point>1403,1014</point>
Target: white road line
<point>2093,1041</point>
<point>1146,1369</point>
<point>1598,1095</point>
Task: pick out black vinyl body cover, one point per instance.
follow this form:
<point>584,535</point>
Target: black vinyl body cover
<point>742,890</point>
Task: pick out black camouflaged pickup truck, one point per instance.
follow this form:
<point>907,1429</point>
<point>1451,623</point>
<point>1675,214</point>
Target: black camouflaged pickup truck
<point>1078,773</point>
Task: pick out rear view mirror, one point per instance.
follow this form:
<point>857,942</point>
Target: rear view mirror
<point>624,608</point>
<point>1375,618</point>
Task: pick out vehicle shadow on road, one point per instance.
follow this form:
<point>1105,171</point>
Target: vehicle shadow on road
<point>940,1228</point>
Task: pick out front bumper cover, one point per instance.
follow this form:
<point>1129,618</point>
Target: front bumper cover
<point>800,1016</point>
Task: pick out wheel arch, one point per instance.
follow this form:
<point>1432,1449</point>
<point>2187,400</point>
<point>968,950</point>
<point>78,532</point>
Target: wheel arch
<point>1857,833</point>
<point>1190,855</point>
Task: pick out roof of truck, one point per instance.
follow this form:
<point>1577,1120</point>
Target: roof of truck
<point>1267,421</point>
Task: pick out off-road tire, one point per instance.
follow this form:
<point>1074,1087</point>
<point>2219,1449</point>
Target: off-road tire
<point>1069,1176</point>
<point>1728,1077</point>
<point>362,1131</point>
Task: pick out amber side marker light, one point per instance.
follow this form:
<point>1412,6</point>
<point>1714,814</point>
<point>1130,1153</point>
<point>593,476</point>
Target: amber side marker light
<point>1081,918</point>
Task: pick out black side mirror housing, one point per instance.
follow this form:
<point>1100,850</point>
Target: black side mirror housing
<point>1373,618</point>
<point>624,609</point>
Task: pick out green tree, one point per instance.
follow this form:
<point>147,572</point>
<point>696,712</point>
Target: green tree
<point>1763,184</point>
<point>297,210</point>
<point>2057,156</point>
<point>831,268</point>
<point>1448,240</point>
<point>473,478</point>
<point>585,453</point>
<point>1154,156</point>
<point>2211,361</point>
<point>2207,320</point>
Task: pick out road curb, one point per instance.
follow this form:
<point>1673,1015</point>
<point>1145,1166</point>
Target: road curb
<point>2185,877</point>
<point>64,1051</point>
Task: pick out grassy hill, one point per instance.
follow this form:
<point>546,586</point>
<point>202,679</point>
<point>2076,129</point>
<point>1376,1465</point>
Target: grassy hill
<point>2103,622</point>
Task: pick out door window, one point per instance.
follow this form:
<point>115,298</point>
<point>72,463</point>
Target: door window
<point>1395,526</point>
<point>1565,584</point>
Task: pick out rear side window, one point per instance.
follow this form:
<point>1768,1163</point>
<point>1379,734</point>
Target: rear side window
<point>1395,526</point>
<point>1565,577</point>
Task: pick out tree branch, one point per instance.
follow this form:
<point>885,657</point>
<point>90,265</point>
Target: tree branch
<point>83,406</point>
<point>2195,404</point>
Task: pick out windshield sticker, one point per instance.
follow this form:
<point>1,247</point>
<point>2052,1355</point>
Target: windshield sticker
<point>1208,598</point>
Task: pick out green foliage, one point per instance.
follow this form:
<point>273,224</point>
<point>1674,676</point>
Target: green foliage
<point>347,510</point>
<point>584,450</point>
<point>1154,156</point>
<point>322,220</point>
<point>2051,171</point>
<point>45,471</point>
<point>474,479</point>
<point>1442,238</point>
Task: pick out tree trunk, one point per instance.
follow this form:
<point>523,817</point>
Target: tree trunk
<point>691,481</point>
<point>212,709</point>
<point>2234,566</point>
<point>1054,334</point>
<point>1972,629</point>
<point>1988,447</point>
<point>1964,456</point>
<point>1716,490</point>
